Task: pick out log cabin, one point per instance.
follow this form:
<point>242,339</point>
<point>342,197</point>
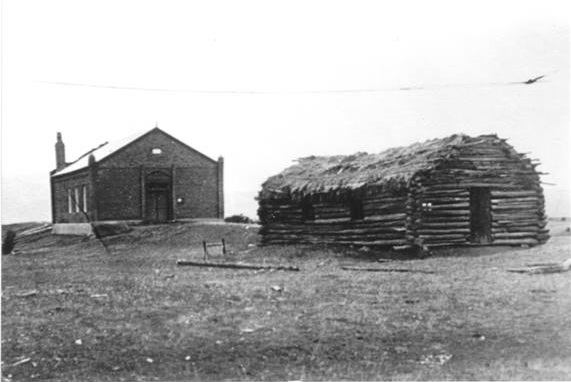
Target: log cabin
<point>453,191</point>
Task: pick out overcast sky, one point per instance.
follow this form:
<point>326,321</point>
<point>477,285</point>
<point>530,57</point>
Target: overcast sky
<point>263,83</point>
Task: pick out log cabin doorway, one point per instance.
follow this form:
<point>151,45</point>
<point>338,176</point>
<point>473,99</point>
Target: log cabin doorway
<point>480,215</point>
<point>158,198</point>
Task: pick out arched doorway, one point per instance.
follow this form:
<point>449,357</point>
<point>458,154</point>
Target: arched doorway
<point>158,197</point>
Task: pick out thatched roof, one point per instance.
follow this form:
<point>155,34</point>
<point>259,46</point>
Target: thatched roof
<point>393,168</point>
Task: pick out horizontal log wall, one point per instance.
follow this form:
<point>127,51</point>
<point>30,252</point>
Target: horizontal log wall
<point>434,210</point>
<point>517,204</point>
<point>383,223</point>
<point>438,215</point>
<point>519,216</point>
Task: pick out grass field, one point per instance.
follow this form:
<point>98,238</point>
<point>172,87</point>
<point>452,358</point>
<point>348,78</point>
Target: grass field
<point>71,311</point>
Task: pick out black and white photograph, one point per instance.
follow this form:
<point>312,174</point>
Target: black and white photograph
<point>285,190</point>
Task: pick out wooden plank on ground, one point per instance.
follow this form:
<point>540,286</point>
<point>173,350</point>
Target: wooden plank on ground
<point>237,266</point>
<point>402,270</point>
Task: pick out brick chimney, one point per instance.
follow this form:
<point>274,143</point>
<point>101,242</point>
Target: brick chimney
<point>60,153</point>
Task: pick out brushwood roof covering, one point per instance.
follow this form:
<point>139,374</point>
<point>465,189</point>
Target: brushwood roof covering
<point>394,167</point>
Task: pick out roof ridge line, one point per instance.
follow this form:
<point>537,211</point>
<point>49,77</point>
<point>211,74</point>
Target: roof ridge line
<point>87,153</point>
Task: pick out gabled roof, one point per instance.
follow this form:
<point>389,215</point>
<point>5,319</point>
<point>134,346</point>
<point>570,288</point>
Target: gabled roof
<point>393,167</point>
<point>108,148</point>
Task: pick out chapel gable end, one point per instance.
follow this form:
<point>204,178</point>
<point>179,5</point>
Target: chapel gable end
<point>156,149</point>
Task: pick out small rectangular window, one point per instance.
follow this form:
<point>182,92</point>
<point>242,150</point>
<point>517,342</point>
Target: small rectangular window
<point>157,151</point>
<point>84,192</point>
<point>76,199</point>
<point>307,210</point>
<point>69,201</point>
<point>356,206</point>
<point>79,199</point>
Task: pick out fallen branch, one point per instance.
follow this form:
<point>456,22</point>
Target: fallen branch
<point>30,293</point>
<point>542,264</point>
<point>237,266</point>
<point>386,270</point>
<point>544,268</point>
<point>20,362</point>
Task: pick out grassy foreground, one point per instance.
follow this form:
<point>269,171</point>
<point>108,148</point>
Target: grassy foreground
<point>71,311</point>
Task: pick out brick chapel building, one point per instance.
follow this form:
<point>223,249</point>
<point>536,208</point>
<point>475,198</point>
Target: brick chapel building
<point>150,177</point>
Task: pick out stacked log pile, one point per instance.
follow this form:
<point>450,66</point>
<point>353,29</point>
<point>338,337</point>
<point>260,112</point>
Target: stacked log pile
<point>419,195</point>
